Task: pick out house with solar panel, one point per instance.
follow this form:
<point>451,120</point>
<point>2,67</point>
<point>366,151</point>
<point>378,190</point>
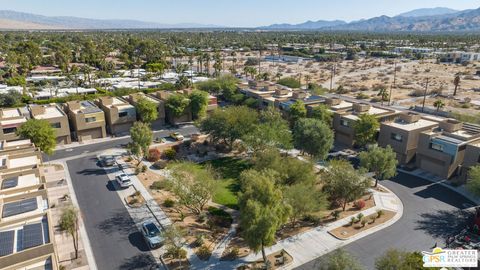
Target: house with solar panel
<point>11,119</point>
<point>26,234</point>
<point>442,151</point>
<point>56,117</point>
<point>87,121</point>
<point>119,114</point>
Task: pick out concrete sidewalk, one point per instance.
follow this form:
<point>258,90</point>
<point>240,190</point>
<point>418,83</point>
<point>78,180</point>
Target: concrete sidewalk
<point>314,243</point>
<point>444,182</point>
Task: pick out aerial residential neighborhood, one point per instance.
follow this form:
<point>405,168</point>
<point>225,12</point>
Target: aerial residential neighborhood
<point>254,135</point>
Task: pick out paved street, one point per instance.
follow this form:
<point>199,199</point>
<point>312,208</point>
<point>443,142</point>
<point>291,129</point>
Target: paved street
<point>113,143</point>
<point>431,213</point>
<point>115,240</point>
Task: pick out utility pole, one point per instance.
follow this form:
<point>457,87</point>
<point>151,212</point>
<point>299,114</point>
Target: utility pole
<point>425,94</point>
<point>332,75</point>
<point>394,82</point>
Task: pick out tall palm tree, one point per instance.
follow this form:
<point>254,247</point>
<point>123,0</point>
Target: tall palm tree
<point>456,82</point>
<point>439,104</point>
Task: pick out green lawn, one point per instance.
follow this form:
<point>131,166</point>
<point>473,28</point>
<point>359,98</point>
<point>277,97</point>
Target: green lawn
<point>229,170</point>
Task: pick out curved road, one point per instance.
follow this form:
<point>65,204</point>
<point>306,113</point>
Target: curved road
<point>431,213</point>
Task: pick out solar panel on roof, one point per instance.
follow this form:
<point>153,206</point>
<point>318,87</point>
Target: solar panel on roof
<point>32,235</point>
<point>10,183</point>
<point>19,207</point>
<point>6,242</point>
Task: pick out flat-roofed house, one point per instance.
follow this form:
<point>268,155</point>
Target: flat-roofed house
<point>18,145</point>
<point>120,115</point>
<point>172,119</point>
<point>345,118</point>
<point>56,117</point>
<point>24,159</point>
<point>441,151</point>
<point>257,90</point>
<point>26,232</point>
<point>273,100</point>
<point>21,181</point>
<point>11,119</point>
<point>86,120</point>
<point>302,96</point>
<point>402,134</point>
<point>160,121</point>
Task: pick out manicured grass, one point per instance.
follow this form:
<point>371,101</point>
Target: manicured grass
<point>229,170</point>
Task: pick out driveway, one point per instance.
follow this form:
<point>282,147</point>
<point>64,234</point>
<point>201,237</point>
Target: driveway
<point>115,240</point>
<point>431,214</point>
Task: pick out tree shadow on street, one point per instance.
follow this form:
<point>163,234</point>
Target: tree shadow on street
<point>136,239</point>
<point>444,223</point>
<point>119,221</point>
<point>140,261</point>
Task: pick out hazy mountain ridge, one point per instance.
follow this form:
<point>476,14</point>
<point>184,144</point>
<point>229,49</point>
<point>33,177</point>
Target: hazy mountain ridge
<point>467,20</point>
<point>423,12</point>
<point>66,22</point>
<point>306,25</point>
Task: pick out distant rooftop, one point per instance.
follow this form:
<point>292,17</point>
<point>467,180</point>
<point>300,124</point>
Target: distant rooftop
<point>85,107</point>
<point>50,111</point>
<point>422,123</point>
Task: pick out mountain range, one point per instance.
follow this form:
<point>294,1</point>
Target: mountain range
<point>420,20</point>
<point>13,20</point>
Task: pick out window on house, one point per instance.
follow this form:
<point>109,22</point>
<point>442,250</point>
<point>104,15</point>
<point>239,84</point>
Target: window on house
<point>56,125</point>
<point>9,130</point>
<point>344,122</point>
<point>122,114</point>
<point>90,119</point>
<point>436,146</point>
<point>396,137</point>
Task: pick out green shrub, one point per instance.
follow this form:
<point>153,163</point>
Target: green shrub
<point>138,170</point>
<point>169,203</point>
<point>379,213</point>
<point>204,252</point>
<point>364,221</point>
<point>359,217</point>
<point>234,252</point>
<point>353,220</point>
<point>312,219</point>
<point>170,153</point>
<point>160,164</point>
<point>372,219</point>
<point>199,240</point>
<point>144,168</point>
<point>336,214</point>
<point>158,185</point>
<point>290,82</point>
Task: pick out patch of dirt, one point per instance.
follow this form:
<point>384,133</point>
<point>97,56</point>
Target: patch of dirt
<point>277,260</point>
<point>135,200</point>
<point>346,231</point>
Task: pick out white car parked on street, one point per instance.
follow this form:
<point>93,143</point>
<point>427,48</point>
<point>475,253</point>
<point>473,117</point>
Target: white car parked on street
<point>123,180</point>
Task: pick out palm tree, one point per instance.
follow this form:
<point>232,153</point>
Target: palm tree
<point>438,104</point>
<point>456,82</point>
<point>382,92</point>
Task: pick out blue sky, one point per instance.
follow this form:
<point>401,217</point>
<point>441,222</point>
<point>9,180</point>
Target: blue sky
<point>228,12</point>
